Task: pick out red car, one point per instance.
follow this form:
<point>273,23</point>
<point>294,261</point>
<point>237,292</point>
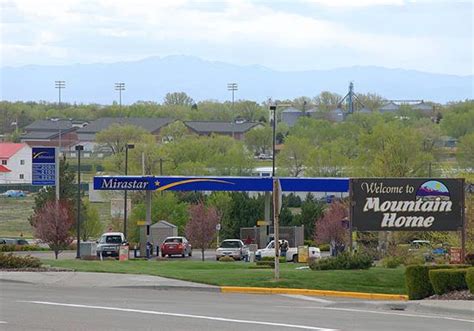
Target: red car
<point>176,246</point>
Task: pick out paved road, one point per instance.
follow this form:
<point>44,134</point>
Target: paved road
<point>41,306</point>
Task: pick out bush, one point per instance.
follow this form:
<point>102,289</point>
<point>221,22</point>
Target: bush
<point>343,261</point>
<point>447,280</point>
<point>391,262</point>
<point>310,243</point>
<point>10,261</point>
<point>470,258</point>
<point>267,264</point>
<point>324,247</point>
<point>17,248</point>
<point>417,280</point>
<point>272,259</point>
<point>470,279</point>
<point>226,259</point>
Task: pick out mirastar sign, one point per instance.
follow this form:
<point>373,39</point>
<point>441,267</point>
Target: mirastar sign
<point>407,204</point>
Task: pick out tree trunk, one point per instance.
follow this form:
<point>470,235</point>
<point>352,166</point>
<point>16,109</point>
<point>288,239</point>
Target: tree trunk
<point>56,253</point>
<point>202,253</point>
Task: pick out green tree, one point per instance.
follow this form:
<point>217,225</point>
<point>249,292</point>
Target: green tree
<point>458,119</point>
<point>174,131</point>
<point>117,136</point>
<point>244,212</point>
<point>259,140</point>
<point>178,99</point>
<point>465,152</point>
<point>293,155</point>
<point>326,101</point>
<point>311,210</point>
<point>91,227</point>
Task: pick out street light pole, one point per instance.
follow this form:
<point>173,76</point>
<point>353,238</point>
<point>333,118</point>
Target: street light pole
<point>79,148</point>
<point>273,109</point>
<point>120,87</point>
<point>232,87</point>
<point>127,147</point>
<point>59,84</point>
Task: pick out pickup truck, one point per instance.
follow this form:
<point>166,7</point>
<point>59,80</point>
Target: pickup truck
<point>291,253</point>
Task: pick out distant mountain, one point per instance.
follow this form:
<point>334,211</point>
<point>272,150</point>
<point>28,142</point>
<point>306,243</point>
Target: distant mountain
<point>151,78</point>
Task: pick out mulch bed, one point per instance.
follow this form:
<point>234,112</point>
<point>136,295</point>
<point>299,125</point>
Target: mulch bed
<point>454,295</point>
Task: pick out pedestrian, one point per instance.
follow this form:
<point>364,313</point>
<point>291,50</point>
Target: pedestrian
<point>284,248</point>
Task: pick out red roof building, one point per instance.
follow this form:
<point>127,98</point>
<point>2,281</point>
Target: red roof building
<point>15,163</point>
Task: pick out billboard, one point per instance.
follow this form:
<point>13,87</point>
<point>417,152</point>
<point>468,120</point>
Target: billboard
<point>407,204</point>
<point>43,166</point>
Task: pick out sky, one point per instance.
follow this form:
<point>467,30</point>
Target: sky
<point>426,35</point>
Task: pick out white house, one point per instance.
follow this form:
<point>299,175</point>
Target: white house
<point>15,163</point>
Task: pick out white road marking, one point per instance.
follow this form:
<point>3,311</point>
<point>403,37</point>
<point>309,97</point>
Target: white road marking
<point>385,313</point>
<point>220,319</point>
<point>303,297</point>
<point>3,322</point>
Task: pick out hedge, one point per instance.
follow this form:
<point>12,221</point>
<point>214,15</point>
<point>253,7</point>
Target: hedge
<point>418,281</point>
<point>267,264</point>
<point>10,261</point>
<point>16,248</point>
<point>470,279</point>
<point>447,280</point>
<point>343,261</point>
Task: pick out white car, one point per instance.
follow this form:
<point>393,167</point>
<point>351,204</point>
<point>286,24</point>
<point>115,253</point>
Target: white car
<point>235,248</point>
<point>291,253</point>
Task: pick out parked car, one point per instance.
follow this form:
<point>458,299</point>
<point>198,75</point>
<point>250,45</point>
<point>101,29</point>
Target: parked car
<point>109,244</point>
<point>291,253</point>
<point>14,194</point>
<point>176,246</point>
<point>10,241</point>
<point>234,248</point>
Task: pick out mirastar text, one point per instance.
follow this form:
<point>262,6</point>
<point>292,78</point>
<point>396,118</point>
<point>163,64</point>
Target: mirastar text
<point>114,184</point>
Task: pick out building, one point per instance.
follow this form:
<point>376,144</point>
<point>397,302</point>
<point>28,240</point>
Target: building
<point>58,133</point>
<point>424,108</point>
<point>290,116</point>
<point>86,135</point>
<point>389,107</point>
<point>336,115</point>
<point>232,129</point>
<point>15,163</point>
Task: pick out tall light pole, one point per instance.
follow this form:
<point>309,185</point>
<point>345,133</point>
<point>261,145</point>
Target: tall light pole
<point>127,147</point>
<point>273,110</point>
<point>120,87</point>
<point>78,148</point>
<point>232,87</point>
<point>59,84</point>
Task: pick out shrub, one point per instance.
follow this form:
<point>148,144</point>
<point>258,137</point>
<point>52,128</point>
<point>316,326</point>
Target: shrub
<point>447,280</point>
<point>324,247</point>
<point>470,279</point>
<point>272,259</point>
<point>17,248</point>
<point>417,280</point>
<point>226,259</point>
<point>343,261</point>
<point>268,264</point>
<point>470,258</point>
<point>10,261</point>
<point>310,243</point>
<point>391,262</point>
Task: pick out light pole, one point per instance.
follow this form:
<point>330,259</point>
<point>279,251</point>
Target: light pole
<point>232,87</point>
<point>273,110</point>
<point>120,87</point>
<point>78,148</point>
<point>127,147</point>
<point>59,84</point>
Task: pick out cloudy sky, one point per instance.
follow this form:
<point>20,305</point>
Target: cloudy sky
<point>427,35</point>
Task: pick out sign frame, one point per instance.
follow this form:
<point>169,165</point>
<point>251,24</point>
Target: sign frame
<point>43,166</point>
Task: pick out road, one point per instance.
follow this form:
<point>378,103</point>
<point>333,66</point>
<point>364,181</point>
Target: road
<point>25,306</point>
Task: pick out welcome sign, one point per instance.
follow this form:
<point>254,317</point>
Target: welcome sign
<point>407,204</point>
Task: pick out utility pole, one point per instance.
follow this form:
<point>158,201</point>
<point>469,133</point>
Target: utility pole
<point>127,147</point>
<point>59,84</point>
<point>273,110</point>
<point>120,87</point>
<point>276,224</point>
<point>232,87</point>
<point>79,148</point>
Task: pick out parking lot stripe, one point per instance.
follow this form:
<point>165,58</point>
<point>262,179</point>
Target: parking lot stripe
<point>219,319</point>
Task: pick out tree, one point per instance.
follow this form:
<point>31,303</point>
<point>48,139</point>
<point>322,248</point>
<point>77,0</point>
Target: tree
<point>465,152</point>
<point>174,131</point>
<point>458,120</point>
<point>326,101</point>
<point>293,155</point>
<point>117,136</point>
<point>178,99</point>
<point>259,140</point>
<point>201,226</point>
<point>52,224</point>
<point>91,227</point>
<point>311,210</point>
<point>330,228</point>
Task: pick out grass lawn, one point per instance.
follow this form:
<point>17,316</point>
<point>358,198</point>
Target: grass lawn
<point>374,280</point>
<point>14,213</point>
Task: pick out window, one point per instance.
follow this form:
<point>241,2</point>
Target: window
<point>4,162</point>
<point>22,162</point>
<point>22,176</point>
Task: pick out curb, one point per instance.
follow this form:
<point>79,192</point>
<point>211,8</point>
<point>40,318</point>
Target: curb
<point>355,295</point>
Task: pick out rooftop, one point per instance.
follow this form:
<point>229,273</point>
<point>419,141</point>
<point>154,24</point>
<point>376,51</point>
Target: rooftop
<point>49,125</point>
<point>7,150</point>
<point>150,124</point>
<point>221,127</point>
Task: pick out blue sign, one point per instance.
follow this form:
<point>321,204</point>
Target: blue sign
<point>248,184</point>
<point>43,166</point>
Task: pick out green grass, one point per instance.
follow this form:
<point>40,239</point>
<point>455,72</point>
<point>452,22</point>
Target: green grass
<point>14,213</point>
<point>374,280</point>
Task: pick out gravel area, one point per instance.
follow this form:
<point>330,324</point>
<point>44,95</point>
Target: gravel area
<point>454,295</point>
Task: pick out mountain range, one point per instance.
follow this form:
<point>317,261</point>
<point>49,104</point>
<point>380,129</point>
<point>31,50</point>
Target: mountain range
<point>151,78</point>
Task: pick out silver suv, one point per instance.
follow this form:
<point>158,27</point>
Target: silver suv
<point>234,248</point>
<point>109,244</point>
